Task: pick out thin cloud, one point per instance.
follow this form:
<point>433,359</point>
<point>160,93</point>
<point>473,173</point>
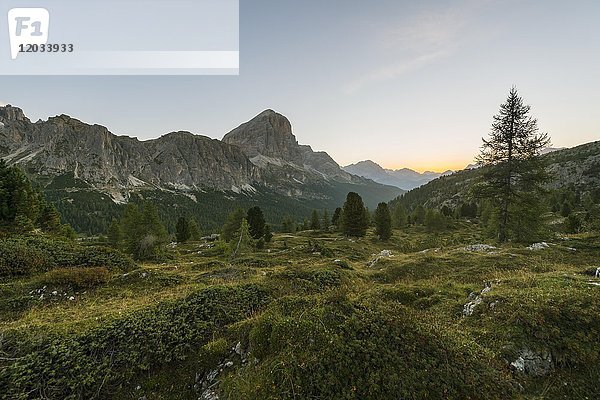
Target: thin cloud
<point>393,71</point>
<point>421,41</point>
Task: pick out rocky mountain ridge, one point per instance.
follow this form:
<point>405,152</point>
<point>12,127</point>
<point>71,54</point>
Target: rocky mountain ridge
<point>261,154</point>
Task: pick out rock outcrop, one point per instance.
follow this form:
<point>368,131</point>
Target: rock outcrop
<point>91,153</point>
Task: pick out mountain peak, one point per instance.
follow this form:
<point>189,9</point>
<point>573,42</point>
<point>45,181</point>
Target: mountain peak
<point>404,178</point>
<point>268,111</point>
<point>364,166</point>
<point>10,113</point>
<point>268,134</point>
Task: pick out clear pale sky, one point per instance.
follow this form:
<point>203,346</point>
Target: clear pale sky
<point>404,83</point>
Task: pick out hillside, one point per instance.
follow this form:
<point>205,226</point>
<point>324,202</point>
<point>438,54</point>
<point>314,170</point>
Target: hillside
<point>311,316</point>
<point>576,169</point>
<point>89,173</point>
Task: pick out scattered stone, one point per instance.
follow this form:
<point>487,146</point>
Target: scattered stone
<point>71,298</point>
<point>382,254</point>
<point>209,394</point>
<point>538,246</point>
<point>239,350</point>
<point>211,238</point>
<point>144,275</point>
<point>533,363</point>
<point>476,300</point>
<point>480,247</point>
<point>212,375</point>
<point>469,308</point>
<point>385,253</point>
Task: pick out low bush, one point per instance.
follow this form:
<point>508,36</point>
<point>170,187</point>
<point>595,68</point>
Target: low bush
<point>77,278</point>
<point>19,259</point>
<point>339,350</point>
<point>25,255</point>
<point>94,363</point>
<point>307,279</point>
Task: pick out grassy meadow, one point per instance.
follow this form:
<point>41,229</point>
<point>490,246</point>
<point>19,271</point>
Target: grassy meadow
<point>312,316</point>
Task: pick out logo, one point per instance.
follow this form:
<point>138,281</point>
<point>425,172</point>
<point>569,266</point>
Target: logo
<point>27,26</point>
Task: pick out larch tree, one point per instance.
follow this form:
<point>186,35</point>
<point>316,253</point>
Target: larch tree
<point>232,224</point>
<point>515,174</point>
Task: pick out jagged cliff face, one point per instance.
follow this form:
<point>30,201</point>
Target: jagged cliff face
<point>93,154</point>
<point>268,134</point>
<point>261,152</point>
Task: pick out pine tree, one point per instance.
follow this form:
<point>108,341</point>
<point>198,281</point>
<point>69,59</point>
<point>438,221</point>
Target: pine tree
<point>354,219</point>
<point>288,225</point>
<point>268,234</point>
<point>325,221</point>
<point>49,219</point>
<point>514,177</point>
<point>194,230</point>
<point>232,224</point>
<point>144,234</point>
<point>468,210</point>
<point>418,215</point>
<point>400,217</point>
<point>446,211</point>
<point>383,222</point>
<point>114,234</point>
<point>434,220</point>
<point>336,219</point>
<point>315,221</point>
<point>17,198</point>
<point>182,230</point>
<point>256,222</point>
<point>566,209</point>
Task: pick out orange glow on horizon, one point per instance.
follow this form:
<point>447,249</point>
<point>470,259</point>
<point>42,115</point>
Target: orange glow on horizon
<point>433,167</point>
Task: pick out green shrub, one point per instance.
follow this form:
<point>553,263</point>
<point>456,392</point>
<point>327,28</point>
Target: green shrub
<point>77,278</point>
<point>24,255</point>
<point>94,363</point>
<point>19,259</point>
<point>307,279</point>
<point>343,350</point>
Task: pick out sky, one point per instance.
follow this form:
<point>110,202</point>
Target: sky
<point>403,83</point>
